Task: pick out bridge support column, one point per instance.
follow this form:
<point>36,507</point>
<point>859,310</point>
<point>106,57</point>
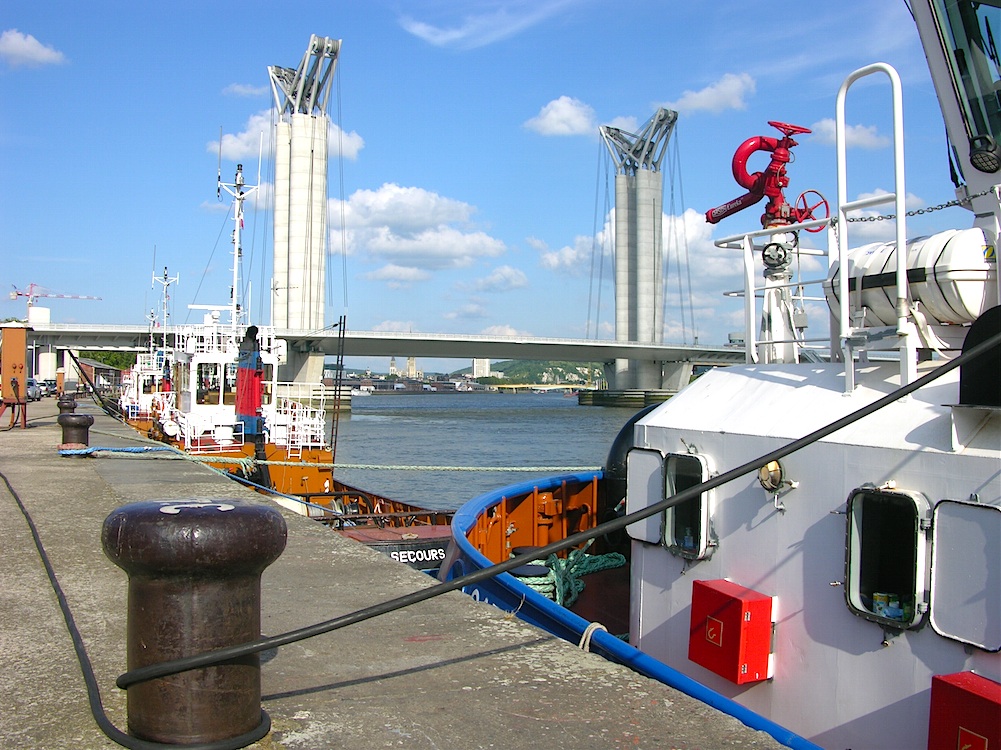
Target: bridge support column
<point>302,367</point>
<point>633,375</point>
<point>676,375</point>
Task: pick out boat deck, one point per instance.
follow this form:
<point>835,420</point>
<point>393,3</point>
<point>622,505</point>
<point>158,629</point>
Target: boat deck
<point>447,673</point>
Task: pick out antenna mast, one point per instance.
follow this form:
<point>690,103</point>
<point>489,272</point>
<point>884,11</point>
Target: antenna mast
<point>240,192</point>
<point>164,305</point>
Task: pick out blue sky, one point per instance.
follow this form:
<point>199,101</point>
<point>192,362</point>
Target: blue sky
<point>475,186</point>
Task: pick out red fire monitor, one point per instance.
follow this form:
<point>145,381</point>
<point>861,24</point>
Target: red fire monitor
<point>731,631</point>
<point>965,712</point>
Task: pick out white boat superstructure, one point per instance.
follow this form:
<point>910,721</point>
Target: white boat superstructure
<point>852,589</point>
<point>187,384</point>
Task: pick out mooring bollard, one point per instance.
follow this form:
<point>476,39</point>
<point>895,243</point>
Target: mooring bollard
<point>66,404</point>
<point>194,571</point>
<point>76,430</point>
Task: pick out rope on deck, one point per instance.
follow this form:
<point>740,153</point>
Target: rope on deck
<point>564,583</point>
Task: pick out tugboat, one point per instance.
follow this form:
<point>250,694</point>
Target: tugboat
<point>818,530</point>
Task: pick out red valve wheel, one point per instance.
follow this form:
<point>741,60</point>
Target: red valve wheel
<point>806,204</point>
<point>788,129</point>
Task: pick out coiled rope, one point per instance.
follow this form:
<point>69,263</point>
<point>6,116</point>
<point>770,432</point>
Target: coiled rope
<point>564,582</point>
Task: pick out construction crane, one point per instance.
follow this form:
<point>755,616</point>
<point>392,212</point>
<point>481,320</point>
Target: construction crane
<point>35,291</point>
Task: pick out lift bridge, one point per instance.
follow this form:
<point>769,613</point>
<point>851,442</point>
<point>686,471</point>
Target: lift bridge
<point>675,361</point>
<point>637,360</point>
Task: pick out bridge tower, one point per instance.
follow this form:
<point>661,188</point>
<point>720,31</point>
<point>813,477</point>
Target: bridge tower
<point>639,248</point>
<point>301,96</point>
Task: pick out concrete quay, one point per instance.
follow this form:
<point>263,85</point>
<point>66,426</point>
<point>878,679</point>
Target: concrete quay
<point>448,673</point>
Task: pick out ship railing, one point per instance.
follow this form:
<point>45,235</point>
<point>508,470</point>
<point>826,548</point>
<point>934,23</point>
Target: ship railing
<point>207,339</point>
<point>755,345</point>
<point>136,405</point>
<point>296,425</point>
<point>149,363</point>
<point>848,333</point>
<point>208,435</point>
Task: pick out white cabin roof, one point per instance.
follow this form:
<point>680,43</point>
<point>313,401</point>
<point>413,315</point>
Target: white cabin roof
<point>789,401</point>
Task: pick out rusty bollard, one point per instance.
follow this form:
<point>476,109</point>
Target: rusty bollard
<point>194,571</point>
<point>66,404</point>
<point>76,430</point>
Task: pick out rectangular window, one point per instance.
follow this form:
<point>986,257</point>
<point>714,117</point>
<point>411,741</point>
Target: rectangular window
<point>686,529</point>
<point>969,30</point>
<point>886,555</point>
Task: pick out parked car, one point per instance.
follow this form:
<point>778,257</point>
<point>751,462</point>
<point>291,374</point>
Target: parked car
<point>50,387</point>
<point>32,391</point>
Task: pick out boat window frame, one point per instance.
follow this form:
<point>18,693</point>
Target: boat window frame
<point>966,535</point>
<point>697,510</point>
<point>868,561</point>
<point>969,65</point>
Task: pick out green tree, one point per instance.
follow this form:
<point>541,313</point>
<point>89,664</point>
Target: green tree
<point>118,360</point>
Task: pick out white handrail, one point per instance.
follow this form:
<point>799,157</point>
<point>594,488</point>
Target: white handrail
<point>907,366</point>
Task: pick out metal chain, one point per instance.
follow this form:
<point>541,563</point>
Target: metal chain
<point>918,211</point>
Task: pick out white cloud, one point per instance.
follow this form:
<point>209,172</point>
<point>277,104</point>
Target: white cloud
<point>568,258</point>
<point>409,227</point>
<point>433,248</point>
<point>396,326</point>
<point>339,141</point>
<point>247,143</point>
<point>397,276</point>
<point>628,124</point>
<point>861,232</point>
<point>466,312</point>
<point>856,136</point>
<point>17,49</point>
<point>503,330</point>
<point>503,20</point>
<point>404,208</point>
<point>564,116</point>
<point>502,279</point>
<point>728,92</point>
<point>576,259</point>
<point>244,89</point>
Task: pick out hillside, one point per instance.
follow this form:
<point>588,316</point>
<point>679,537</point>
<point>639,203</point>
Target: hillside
<point>546,372</point>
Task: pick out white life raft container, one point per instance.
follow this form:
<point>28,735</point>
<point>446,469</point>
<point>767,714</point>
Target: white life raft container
<point>951,274</point>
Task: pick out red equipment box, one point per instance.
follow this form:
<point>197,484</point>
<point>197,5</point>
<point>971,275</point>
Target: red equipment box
<point>731,631</point>
<point>965,712</point>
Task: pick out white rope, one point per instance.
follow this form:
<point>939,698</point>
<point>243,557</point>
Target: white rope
<point>585,639</point>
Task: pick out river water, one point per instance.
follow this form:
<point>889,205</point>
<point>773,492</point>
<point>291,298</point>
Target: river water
<point>485,430</point>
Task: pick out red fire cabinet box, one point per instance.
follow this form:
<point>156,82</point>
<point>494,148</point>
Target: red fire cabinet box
<point>731,631</point>
<point>965,712</point>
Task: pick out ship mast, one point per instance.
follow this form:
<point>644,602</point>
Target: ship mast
<point>240,192</point>
<point>166,281</point>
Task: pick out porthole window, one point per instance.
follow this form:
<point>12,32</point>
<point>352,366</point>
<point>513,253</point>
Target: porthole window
<point>686,529</point>
<point>886,556</point>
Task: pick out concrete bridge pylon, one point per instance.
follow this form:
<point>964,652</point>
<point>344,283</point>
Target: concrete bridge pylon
<point>301,96</point>
<point>639,248</point>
